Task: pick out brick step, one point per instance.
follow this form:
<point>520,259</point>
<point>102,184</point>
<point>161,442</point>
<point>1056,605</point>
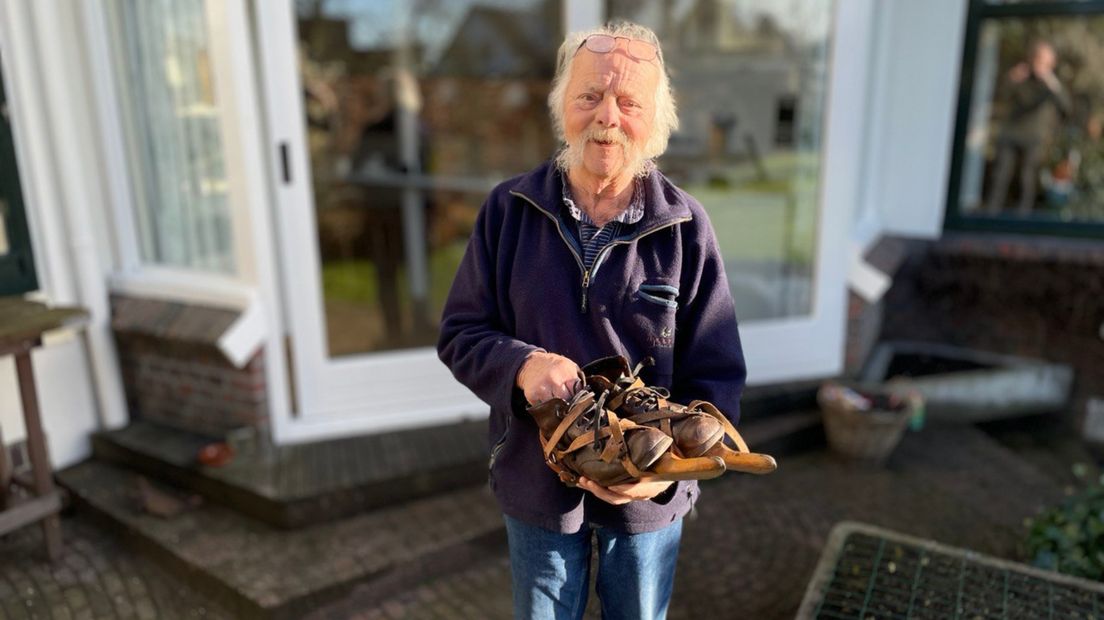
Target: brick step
<point>301,485</point>
<point>479,592</point>
<point>256,570</point>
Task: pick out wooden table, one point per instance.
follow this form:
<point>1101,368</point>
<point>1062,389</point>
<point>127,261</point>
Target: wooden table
<point>22,325</point>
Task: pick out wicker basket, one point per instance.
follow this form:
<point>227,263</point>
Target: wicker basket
<point>868,436</point>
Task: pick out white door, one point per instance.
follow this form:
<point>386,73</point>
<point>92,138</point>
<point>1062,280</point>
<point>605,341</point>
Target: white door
<point>390,122</point>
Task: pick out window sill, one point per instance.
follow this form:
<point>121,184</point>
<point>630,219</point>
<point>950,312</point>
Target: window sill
<point>246,328</point>
<point>184,286</point>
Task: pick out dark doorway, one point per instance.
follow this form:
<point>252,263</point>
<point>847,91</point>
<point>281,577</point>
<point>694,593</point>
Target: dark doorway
<point>17,271</point>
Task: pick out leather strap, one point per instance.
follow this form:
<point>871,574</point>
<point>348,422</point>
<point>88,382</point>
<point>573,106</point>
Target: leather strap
<point>585,440</point>
<point>631,468</point>
<point>553,461</point>
<point>578,409</point>
<point>615,402</point>
<point>616,441</point>
<point>666,415</point>
<point>708,407</point>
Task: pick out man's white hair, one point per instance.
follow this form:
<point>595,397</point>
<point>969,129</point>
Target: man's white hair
<point>666,117</point>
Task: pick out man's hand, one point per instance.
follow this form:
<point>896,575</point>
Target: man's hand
<point>619,494</point>
<point>544,376</point>
<point>1019,73</point>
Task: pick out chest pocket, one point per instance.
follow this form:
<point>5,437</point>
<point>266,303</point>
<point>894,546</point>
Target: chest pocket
<point>651,315</point>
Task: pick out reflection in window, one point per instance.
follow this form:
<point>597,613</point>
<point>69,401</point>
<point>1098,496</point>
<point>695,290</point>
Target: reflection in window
<point>1032,147</point>
<point>749,78</point>
<point>171,122</point>
<point>5,247</point>
<point>415,110</point>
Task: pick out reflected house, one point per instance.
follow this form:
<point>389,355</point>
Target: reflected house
<point>351,123</point>
<point>737,87</point>
<point>747,90</point>
<point>486,94</point>
<point>481,117</point>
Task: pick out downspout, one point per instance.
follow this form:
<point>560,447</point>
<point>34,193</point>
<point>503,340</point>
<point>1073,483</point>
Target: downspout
<point>80,194</point>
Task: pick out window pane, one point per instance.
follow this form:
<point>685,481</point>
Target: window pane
<point>415,110</point>
<point>1032,148</point>
<point>170,117</point>
<point>749,77</point>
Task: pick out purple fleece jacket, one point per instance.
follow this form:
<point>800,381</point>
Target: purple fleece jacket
<point>659,290</point>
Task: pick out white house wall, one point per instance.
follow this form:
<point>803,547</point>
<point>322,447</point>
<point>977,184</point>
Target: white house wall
<point>914,92</point>
<point>67,402</point>
<point>43,54</point>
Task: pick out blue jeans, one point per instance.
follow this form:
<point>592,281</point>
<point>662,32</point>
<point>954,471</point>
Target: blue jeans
<point>551,572</point>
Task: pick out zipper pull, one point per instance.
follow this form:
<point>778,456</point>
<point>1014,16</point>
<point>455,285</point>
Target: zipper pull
<point>586,285</point>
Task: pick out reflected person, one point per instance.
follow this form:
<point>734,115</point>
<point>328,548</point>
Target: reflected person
<point>1035,99</point>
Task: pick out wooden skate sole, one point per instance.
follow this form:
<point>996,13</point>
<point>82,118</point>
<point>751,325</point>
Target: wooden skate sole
<point>671,467</point>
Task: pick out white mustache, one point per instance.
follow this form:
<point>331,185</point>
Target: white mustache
<point>571,156</point>
<point>616,136</point>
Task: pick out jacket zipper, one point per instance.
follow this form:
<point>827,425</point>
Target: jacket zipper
<point>593,271</point>
<point>498,448</point>
<point>586,285</point>
<point>588,274</point>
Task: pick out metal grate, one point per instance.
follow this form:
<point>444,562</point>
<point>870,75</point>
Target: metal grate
<point>867,573</point>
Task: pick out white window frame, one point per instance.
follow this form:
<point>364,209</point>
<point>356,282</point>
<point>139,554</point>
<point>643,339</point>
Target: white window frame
<point>251,289</point>
<point>132,274</point>
<point>411,386</point>
<point>812,346</point>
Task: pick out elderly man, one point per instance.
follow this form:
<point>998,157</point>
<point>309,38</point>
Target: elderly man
<point>593,254</point>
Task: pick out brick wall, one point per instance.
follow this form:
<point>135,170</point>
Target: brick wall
<point>175,374</point>
<point>1032,296</point>
<point>864,319</point>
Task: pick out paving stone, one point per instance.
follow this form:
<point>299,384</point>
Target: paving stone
<point>275,569</point>
<point>39,589</point>
<point>748,552</point>
<point>754,541</point>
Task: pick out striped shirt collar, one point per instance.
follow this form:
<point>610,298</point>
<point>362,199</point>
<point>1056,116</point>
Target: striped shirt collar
<point>631,215</point>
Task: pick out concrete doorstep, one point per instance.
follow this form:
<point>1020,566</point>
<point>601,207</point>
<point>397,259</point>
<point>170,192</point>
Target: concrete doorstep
<point>258,571</point>
<point>307,484</point>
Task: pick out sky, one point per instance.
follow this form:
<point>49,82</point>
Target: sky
<point>378,23</point>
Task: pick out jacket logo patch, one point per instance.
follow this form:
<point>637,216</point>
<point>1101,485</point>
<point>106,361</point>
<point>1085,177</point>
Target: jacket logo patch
<point>665,339</point>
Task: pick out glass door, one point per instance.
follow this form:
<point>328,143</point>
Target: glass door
<point>394,125</point>
<point>753,80</point>
<point>390,122</point>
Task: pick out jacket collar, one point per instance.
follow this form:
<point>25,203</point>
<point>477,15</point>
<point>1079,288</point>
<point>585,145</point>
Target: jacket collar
<point>664,204</point>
